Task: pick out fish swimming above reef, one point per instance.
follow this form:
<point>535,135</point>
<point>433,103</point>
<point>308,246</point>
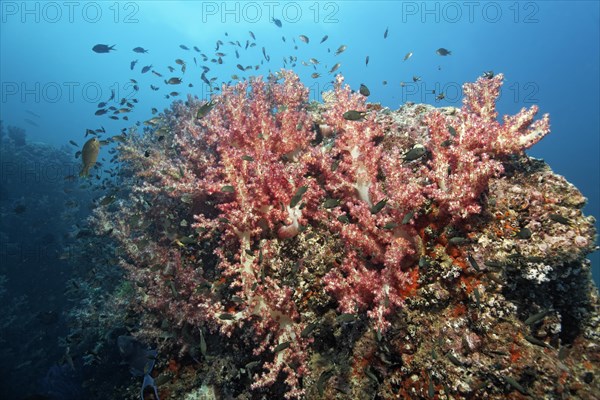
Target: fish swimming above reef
<point>89,155</point>
<point>140,360</point>
<point>341,49</point>
<point>443,52</point>
<point>103,48</point>
<point>364,90</point>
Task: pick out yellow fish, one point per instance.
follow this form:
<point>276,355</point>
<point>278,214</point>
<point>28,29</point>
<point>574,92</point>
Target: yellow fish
<point>89,155</point>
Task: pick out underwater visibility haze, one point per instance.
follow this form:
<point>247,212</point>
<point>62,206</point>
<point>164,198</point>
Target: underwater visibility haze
<point>299,200</point>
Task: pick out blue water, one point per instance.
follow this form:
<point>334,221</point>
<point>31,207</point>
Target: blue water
<point>549,52</point>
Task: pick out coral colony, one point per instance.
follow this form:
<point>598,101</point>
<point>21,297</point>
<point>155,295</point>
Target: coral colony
<point>260,222</point>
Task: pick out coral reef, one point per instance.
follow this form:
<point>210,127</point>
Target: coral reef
<point>17,135</point>
<point>289,249</point>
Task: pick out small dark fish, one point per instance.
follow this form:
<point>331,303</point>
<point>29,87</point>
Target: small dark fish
<point>315,75</point>
<point>197,49</point>
<point>323,378</point>
<point>324,39</point>
<point>345,318</point>
<point>343,219</point>
<point>146,69</point>
<point>304,38</point>
<point>103,48</point>
<point>409,215</point>
<point>477,296</point>
<point>252,364</point>
<point>107,200</point>
<point>415,153</point>
<point>173,81</point>
<point>335,68</point>
<point>536,341</point>
<point>440,96</point>
<point>454,360</point>
<point>416,78</point>
<point>205,109</point>
<point>154,88</point>
<point>226,317</point>
<point>364,90</point>
<point>30,122</point>
<point>390,226</point>
<point>184,47</point>
<point>276,22</point>
<point>157,73</point>
<point>281,346</point>
<point>443,52</point>
<point>204,79</point>
<point>537,317</point>
<point>516,385</point>
<point>308,330</point>
<point>331,203</point>
<point>101,112</point>
<point>473,263</point>
<point>341,49</point>
<point>252,35</point>
<point>353,115</point>
<point>140,50</point>
<point>524,233</point>
<point>370,374</point>
<point>132,64</point>
<point>488,74</point>
<point>457,241</point>
<point>378,207</point>
<point>559,218</point>
<point>73,143</point>
<point>367,61</point>
<point>298,196</point>
<point>228,189</point>
<point>407,56</point>
<point>32,113</point>
<point>385,34</point>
